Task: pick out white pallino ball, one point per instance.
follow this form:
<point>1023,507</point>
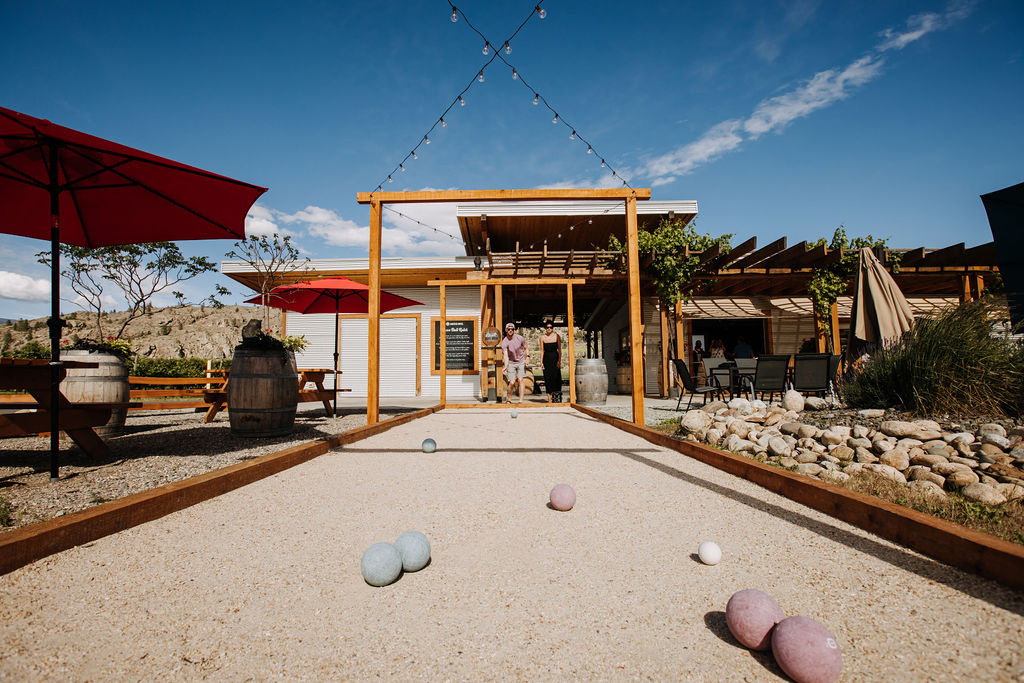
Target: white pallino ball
<point>709,552</point>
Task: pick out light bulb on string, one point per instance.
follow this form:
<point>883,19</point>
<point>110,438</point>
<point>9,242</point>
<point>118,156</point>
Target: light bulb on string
<point>389,179</point>
<point>455,14</point>
<point>480,77</point>
<point>572,135</point>
<point>555,120</point>
<point>414,155</point>
<point>487,48</point>
<point>536,98</point>
<point>590,150</point>
<point>462,102</point>
<point>559,235</point>
<point>602,163</point>
<point>508,48</point>
<point>590,221</point>
<point>401,167</point>
<point>541,12</point>
<point>426,139</point>
<point>515,75</point>
<point>444,124</point>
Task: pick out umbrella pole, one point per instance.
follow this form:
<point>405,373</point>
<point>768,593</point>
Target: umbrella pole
<point>55,326</point>
<point>336,323</point>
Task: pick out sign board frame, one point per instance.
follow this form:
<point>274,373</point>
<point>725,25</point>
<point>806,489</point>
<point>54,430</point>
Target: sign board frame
<point>474,324</point>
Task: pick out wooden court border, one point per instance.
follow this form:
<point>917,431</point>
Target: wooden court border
<point>36,541</point>
<point>939,539</point>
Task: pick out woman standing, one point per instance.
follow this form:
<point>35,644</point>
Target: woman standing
<point>717,349</point>
<point>551,345</point>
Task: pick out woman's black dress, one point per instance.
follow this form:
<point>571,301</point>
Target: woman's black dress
<point>552,373</point>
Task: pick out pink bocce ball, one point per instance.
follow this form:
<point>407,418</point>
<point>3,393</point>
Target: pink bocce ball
<point>806,651</point>
<point>563,497</point>
<point>751,616</point>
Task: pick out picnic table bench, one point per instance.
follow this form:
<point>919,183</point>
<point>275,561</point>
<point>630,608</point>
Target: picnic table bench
<point>26,418</point>
<point>218,398</point>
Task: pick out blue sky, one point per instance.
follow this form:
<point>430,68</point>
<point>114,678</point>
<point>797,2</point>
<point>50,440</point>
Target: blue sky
<point>779,118</point>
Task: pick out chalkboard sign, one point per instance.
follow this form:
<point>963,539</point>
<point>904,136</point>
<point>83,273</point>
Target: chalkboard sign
<point>460,346</point>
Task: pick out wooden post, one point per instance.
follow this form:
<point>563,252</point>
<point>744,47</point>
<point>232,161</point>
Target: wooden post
<point>443,329</point>
<point>636,341</point>
<point>819,331</point>
<point>373,318</point>
<point>680,332</point>
<point>572,344</point>
<point>486,320</point>
<point>499,316</point>
<point>979,285</point>
<point>836,346</point>
<point>965,288</point>
<point>666,373</point>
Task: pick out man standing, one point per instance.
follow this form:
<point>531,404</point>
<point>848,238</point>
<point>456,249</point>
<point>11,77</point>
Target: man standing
<point>515,356</point>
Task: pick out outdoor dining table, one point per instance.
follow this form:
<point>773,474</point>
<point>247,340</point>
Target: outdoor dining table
<point>77,420</point>
<point>218,398</point>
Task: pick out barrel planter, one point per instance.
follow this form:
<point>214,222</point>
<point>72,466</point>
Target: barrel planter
<point>263,391</point>
<point>591,381</point>
<point>107,383</point>
<point>624,379</point>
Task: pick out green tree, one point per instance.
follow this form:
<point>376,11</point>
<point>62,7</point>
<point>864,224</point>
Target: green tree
<point>137,271</point>
<point>272,257</point>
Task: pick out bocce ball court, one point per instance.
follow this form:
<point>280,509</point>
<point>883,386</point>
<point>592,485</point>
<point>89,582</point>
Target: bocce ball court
<point>264,581</point>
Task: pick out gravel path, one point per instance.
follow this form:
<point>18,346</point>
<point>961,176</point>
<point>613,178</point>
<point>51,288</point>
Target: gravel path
<point>263,582</point>
<point>157,447</point>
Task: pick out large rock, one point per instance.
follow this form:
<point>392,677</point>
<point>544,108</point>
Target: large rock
<point>696,423</point>
<point>739,428</point>
<point>929,425</point>
<point>777,446</point>
<point>886,471</point>
<point>991,428</point>
<point>897,458</point>
<point>1011,491</point>
<point>863,455</point>
<point>714,407</point>
<point>858,441</point>
<point>804,457</point>
<point>869,413</point>
<point>962,478</point>
<point>961,437</point>
<point>983,493</point>
<point>883,446</point>
<point>810,469</point>
<point>928,488</point>
<point>741,406</point>
<point>927,459</point>
<point>995,440</point>
<point>834,476</point>
<point>921,473</point>
<point>948,468</point>
<point>815,403</point>
<point>861,432</point>
<point>844,453</point>
<point>898,428</point>
<point>793,400</point>
<point>736,444</point>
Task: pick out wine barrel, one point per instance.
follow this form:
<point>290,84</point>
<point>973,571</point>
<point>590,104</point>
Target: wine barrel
<point>263,391</point>
<point>624,379</point>
<point>591,381</point>
<point>107,383</point>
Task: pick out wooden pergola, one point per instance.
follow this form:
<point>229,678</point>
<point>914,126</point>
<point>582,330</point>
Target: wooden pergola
<point>377,200</point>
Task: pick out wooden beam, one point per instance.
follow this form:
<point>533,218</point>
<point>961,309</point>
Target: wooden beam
<point>665,374</point>
<point>525,281</point>
<point>680,341</point>
<point>758,256</point>
<point>979,285</point>
<point>944,541</point>
<point>500,195</point>
<point>443,332</point>
<point>636,341</point>
<point>834,319</point>
<point>720,260</point>
<point>499,317</point>
<point>373,320</point>
<point>572,342</point>
<point>965,288</point>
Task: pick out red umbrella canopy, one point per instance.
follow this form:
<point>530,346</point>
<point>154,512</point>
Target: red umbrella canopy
<point>108,193</point>
<point>329,295</point>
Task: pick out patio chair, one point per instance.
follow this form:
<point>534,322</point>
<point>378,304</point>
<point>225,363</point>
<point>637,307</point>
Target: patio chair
<point>745,368</point>
<point>833,372</point>
<point>710,367</point>
<point>684,378</point>
<point>811,373</point>
<point>769,376</point>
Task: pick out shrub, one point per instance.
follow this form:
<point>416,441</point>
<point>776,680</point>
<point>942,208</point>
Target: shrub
<point>950,363</point>
<point>31,349</point>
<point>174,367</point>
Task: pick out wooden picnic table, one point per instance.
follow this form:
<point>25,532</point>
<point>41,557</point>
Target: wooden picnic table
<point>218,398</point>
<point>77,420</point>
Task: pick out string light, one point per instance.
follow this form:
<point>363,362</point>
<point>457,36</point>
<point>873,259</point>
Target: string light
<point>555,120</point>
<point>462,102</point>
<point>480,77</point>
<point>536,99</point>
<point>508,48</point>
<point>515,75</point>
<point>590,150</point>
<point>455,14</point>
<point>572,135</point>
<point>541,12</point>
<point>414,155</point>
<point>429,227</point>
<point>444,124</point>
<point>401,167</point>
<point>389,179</point>
<point>487,48</point>
<point>602,162</point>
<point>427,140</point>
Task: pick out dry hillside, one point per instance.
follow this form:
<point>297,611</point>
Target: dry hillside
<point>174,332</point>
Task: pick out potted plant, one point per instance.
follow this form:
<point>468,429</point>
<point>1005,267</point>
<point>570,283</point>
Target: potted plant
<point>107,383</point>
<point>263,389</point>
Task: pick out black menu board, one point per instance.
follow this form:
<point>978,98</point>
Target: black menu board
<point>460,345</point>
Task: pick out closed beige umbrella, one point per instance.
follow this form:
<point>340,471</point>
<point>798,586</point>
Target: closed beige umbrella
<point>880,313</point>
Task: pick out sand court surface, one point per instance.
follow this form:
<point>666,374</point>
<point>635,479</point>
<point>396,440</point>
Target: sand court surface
<point>264,582</point>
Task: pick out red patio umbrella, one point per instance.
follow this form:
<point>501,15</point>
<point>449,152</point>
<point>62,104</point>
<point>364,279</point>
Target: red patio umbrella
<point>69,187</point>
<point>335,295</point>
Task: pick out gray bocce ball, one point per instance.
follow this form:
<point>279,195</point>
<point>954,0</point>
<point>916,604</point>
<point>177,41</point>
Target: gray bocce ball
<point>414,549</point>
<point>381,564</point>
<point>515,414</point>
<point>429,445</point>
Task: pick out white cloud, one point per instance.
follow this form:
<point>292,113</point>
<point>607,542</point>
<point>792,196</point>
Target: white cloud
<point>824,88</point>
<point>402,235</point>
<point>922,24</point>
<point>23,288</point>
<point>260,221</point>
<point>821,90</point>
